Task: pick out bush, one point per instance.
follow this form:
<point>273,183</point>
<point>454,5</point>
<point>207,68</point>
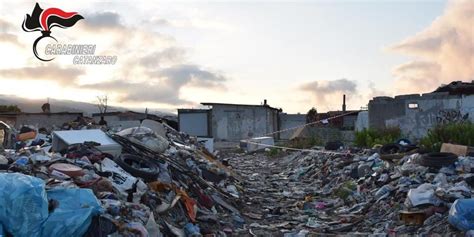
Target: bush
<point>370,137</point>
<point>305,143</point>
<point>273,152</point>
<point>457,133</point>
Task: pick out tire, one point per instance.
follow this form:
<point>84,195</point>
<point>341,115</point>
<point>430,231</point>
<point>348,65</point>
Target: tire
<point>438,159</point>
<point>391,148</point>
<point>126,161</point>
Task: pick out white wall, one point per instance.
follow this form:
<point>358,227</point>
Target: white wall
<point>432,111</point>
<point>233,122</point>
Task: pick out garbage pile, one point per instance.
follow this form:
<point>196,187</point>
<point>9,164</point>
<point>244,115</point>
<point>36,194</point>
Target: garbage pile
<point>361,193</point>
<point>365,193</point>
<point>162,183</point>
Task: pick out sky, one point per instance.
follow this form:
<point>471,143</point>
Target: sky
<point>295,54</point>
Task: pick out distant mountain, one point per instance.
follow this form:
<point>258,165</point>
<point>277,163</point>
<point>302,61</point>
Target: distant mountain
<point>34,106</point>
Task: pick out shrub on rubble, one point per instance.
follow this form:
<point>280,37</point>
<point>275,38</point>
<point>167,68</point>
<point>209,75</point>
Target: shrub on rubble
<point>456,133</point>
<point>370,137</point>
<point>273,152</point>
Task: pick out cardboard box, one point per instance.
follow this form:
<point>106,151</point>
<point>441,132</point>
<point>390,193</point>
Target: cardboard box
<point>459,150</point>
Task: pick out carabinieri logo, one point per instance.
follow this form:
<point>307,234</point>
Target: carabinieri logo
<point>44,20</point>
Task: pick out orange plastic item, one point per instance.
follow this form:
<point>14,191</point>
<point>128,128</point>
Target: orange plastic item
<point>26,136</point>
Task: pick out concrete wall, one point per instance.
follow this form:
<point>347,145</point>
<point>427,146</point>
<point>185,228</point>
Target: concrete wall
<point>108,118</point>
<point>290,121</point>
<point>328,134</point>
<point>383,108</point>
<point>433,109</point>
<point>39,120</point>
<point>234,122</point>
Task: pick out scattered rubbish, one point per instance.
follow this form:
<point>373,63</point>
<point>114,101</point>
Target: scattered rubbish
<point>345,192</point>
<point>152,180</point>
<point>423,194</point>
<point>141,181</point>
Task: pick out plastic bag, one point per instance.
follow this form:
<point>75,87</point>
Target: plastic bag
<point>74,213</point>
<point>24,208</point>
<point>461,214</point>
<point>424,194</point>
<point>145,137</point>
<point>23,204</point>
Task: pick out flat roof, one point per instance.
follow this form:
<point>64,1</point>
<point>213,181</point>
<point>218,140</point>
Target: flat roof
<point>193,110</point>
<point>226,104</point>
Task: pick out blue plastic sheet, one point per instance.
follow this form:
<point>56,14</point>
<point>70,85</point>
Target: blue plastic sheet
<point>23,204</point>
<point>74,214</point>
<point>24,208</point>
<point>461,214</point>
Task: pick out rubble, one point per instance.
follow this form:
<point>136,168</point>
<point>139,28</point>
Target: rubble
<point>161,183</point>
<point>320,192</point>
<point>155,181</point>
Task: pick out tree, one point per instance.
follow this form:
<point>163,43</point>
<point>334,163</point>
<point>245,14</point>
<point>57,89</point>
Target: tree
<point>9,108</point>
<point>102,105</point>
<point>312,115</point>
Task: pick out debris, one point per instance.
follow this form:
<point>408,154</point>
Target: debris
<point>64,139</point>
<point>413,217</point>
<point>155,181</point>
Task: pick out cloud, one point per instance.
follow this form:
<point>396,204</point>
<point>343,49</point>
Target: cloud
<point>373,92</point>
<point>10,38</point>
<point>170,55</point>
<point>443,52</point>
<point>193,76</point>
<point>190,22</point>
<point>161,22</point>
<point>104,20</point>
<point>322,91</point>
<point>151,68</point>
<point>64,76</point>
<point>151,91</point>
<point>163,86</point>
<point>5,26</point>
<point>6,36</point>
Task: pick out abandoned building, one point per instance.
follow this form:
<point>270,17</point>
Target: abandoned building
<point>40,120</point>
<point>234,122</point>
<point>415,114</point>
<point>229,122</point>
